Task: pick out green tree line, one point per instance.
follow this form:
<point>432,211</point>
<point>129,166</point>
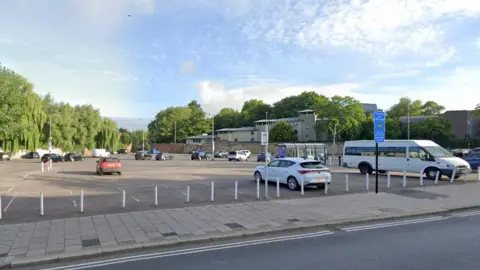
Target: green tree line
<point>26,119</point>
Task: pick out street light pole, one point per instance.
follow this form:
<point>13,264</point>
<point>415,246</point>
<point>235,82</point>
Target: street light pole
<point>50,141</point>
<point>408,122</point>
<point>213,138</point>
<point>143,140</point>
<point>175,132</point>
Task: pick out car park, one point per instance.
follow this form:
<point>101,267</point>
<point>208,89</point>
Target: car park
<point>54,157</point>
<point>143,155</point>
<point>74,157</point>
<point>237,155</point>
<point>294,171</point>
<point>31,155</point>
<point>164,156</point>
<point>4,156</point>
<point>109,165</point>
<point>221,154</point>
<point>262,157</point>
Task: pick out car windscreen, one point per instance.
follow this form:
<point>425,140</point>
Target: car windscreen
<point>233,153</point>
<point>111,160</point>
<point>312,165</point>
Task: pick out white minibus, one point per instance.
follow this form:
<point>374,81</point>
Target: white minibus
<point>412,156</point>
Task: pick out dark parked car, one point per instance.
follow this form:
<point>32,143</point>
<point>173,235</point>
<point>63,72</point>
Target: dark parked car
<point>143,155</point>
<point>109,165</point>
<point>122,151</point>
<point>4,156</point>
<point>52,156</point>
<point>164,156</point>
<point>199,155</point>
<point>474,151</point>
<point>261,157</point>
<point>473,160</point>
<point>221,154</point>
<point>74,157</point>
<point>31,155</point>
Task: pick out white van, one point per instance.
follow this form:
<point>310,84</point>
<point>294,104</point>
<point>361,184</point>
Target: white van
<point>403,155</point>
<point>100,153</point>
<point>237,155</point>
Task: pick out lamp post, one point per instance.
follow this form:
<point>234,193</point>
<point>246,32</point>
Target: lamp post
<point>213,138</point>
<point>175,132</point>
<point>408,122</point>
<point>50,135</point>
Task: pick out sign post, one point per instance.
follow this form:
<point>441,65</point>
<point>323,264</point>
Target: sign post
<point>379,136</point>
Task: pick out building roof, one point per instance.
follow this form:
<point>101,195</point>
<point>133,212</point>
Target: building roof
<point>369,106</point>
<point>416,119</point>
<point>202,137</point>
<point>237,129</point>
<point>306,111</point>
<point>294,119</point>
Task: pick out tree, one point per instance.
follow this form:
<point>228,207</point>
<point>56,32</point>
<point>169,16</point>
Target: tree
<point>125,137</point>
<point>432,108</point>
<point>198,123</point>
<point>171,122</point>
<point>405,107</point>
<point>346,116</point>
<point>476,111</point>
<point>436,129</point>
<point>227,118</point>
<point>282,132</point>
<point>254,110</point>
<point>290,106</point>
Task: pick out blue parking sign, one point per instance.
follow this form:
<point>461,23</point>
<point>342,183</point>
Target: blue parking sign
<point>379,126</point>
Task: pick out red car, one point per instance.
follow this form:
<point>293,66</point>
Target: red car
<point>109,165</point>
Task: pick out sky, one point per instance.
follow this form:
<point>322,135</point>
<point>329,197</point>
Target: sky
<point>133,58</point>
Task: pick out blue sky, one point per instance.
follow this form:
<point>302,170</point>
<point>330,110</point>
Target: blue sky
<point>223,52</point>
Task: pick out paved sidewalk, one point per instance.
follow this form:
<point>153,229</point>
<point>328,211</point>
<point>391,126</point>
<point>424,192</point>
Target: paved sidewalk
<point>57,240</point>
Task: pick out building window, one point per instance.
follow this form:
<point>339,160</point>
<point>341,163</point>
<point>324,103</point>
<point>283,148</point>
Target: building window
<point>196,140</point>
<point>252,133</point>
<point>252,140</point>
<point>296,131</point>
<point>236,140</point>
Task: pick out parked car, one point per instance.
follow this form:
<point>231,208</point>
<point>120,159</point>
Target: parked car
<point>143,155</point>
<point>122,151</point>
<point>199,155</point>
<point>262,156</point>
<point>474,151</point>
<point>5,156</point>
<point>291,171</point>
<point>237,155</point>
<point>221,154</point>
<point>460,152</point>
<point>247,153</point>
<point>74,157</point>
<point>109,165</point>
<point>52,156</point>
<point>31,155</point>
<point>473,160</point>
<point>164,156</point>
<point>100,153</point>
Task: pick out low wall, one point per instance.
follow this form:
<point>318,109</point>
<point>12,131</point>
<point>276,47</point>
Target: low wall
<point>255,148</point>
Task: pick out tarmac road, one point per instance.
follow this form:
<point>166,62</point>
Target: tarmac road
<point>431,244</point>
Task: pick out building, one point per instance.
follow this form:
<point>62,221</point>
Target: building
<point>243,134</point>
<point>303,125</point>
<point>369,108</point>
<point>415,119</point>
<point>201,139</point>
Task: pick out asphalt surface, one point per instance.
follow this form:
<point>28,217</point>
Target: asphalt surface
<point>447,244</point>
<point>22,182</point>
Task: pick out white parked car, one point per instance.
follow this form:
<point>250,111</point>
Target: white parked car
<point>237,155</point>
<point>291,171</point>
<point>247,153</point>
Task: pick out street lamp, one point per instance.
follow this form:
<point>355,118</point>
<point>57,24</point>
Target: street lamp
<point>408,122</point>
<point>213,137</point>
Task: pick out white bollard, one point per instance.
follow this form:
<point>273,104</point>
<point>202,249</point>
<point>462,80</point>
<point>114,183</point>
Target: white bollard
<point>81,201</point>
<point>302,187</point>
<point>367,182</point>
<point>156,195</point>
<point>346,183</point>
<point>421,177</point>
<point>388,179</point>
<point>404,180</point>
<point>266,188</point>
<point>187,200</point>
<point>124,199</point>
<point>437,176</point>
<point>48,165</point>
<point>51,164</point>
<point>1,208</point>
<point>478,173</point>
<point>235,197</point>
<point>41,204</point>
<point>465,178</point>
<point>212,191</point>
<point>330,161</point>
<point>453,176</point>
<point>278,187</point>
<point>326,186</point>
<point>258,188</point>
<point>43,167</point>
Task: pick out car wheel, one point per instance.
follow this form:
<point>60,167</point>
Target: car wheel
<point>229,159</point>
<point>257,176</point>
<point>238,159</point>
<point>119,173</point>
<point>431,173</point>
<point>100,172</point>
<point>292,183</point>
<point>364,169</point>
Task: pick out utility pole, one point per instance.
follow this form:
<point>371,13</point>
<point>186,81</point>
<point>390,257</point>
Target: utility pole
<point>266,155</point>
<point>143,140</point>
<point>50,141</point>
<point>213,139</point>
<point>408,122</point>
<point>334,133</point>
<point>175,131</point>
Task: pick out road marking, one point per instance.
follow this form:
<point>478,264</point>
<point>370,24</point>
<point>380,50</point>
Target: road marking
<point>190,251</point>
<point>10,189</point>
<point>10,202</point>
<point>135,199</point>
<point>232,190</point>
<point>74,204</point>
<point>392,224</point>
<point>468,214</point>
<point>120,189</point>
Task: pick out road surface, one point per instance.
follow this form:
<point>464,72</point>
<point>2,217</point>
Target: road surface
<point>450,243</point>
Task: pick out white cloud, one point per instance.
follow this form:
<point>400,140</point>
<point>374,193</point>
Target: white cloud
<point>399,74</point>
<point>382,28</point>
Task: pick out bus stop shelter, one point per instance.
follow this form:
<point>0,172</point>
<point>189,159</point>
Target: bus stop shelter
<point>317,151</point>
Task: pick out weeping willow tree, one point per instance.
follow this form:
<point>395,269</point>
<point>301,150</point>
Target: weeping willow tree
<point>109,136</point>
<point>33,120</point>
